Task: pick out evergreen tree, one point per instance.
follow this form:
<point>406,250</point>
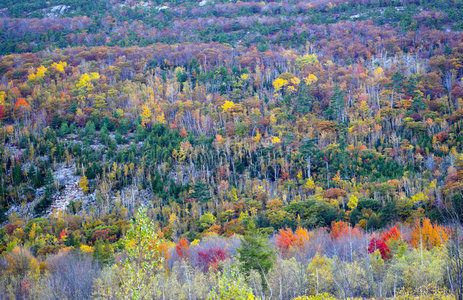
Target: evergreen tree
<point>49,182</point>
<point>415,94</point>
<point>304,99</point>
<point>200,192</point>
<point>17,174</point>
<point>255,253</point>
<point>101,252</point>
<point>337,105</point>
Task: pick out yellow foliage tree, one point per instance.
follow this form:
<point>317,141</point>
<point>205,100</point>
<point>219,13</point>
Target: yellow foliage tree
<point>2,98</point>
<point>276,140</point>
<point>228,106</point>
<point>20,262</point>
<point>257,137</point>
<point>353,202</point>
<point>146,114</point>
<point>309,184</point>
<point>379,72</point>
<point>85,81</point>
<point>306,60</point>
<point>311,79</point>
<point>100,101</point>
<point>60,66</point>
<point>279,83</point>
<point>40,73</point>
<point>321,270</point>
<point>144,258</point>
<point>83,184</point>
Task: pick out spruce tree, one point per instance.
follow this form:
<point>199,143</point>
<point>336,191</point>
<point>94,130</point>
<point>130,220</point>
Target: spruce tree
<point>255,253</point>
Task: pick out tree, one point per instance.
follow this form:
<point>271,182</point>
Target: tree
<point>200,193</point>
<point>255,254</point>
<point>2,112</point>
<point>144,258</point>
<point>353,202</point>
<point>308,149</point>
<point>428,235</point>
<point>146,115</point>
<point>85,81</point>
<point>83,184</point>
<point>379,245</point>
<point>287,239</point>
<point>337,105</point>
<point>182,249</point>
<point>206,221</point>
<point>100,102</point>
<point>21,107</point>
<point>455,260</point>
<point>49,182</point>
<point>231,285</point>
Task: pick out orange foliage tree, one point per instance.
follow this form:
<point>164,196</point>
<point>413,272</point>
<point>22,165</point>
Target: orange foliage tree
<point>182,249</point>
<point>428,235</point>
<point>341,229</point>
<point>392,233</point>
<point>287,240</point>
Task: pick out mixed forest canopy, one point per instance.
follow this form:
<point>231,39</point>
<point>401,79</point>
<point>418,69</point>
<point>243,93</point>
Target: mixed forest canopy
<point>174,149</point>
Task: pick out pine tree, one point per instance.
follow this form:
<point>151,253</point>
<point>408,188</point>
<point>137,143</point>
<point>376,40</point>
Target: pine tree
<point>255,253</point>
<point>200,192</point>
<point>309,149</point>
<point>17,174</point>
<point>337,105</point>
<point>49,182</point>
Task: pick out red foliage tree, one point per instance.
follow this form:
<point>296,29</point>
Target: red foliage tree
<point>100,235</point>
<point>341,228</point>
<point>287,239</point>
<point>21,103</point>
<point>392,234</point>
<point>211,257</point>
<point>182,249</point>
<point>381,246</point>
<point>63,234</point>
<point>2,112</point>
<point>10,228</point>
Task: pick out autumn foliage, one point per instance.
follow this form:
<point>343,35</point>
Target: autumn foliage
<point>287,240</point>
<point>321,121</point>
<point>21,103</point>
<point>428,235</point>
<point>341,229</point>
<point>379,245</point>
<point>182,249</point>
<point>392,233</point>
<point>211,257</point>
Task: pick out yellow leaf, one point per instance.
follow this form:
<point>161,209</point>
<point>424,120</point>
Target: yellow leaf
<point>379,72</point>
<point>276,140</point>
<point>279,83</point>
<point>227,106</point>
<point>311,79</point>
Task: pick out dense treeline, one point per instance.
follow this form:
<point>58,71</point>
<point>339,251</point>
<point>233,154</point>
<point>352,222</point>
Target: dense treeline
<point>292,149</point>
<point>261,24</point>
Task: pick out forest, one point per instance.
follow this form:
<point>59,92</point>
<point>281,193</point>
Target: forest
<point>289,149</point>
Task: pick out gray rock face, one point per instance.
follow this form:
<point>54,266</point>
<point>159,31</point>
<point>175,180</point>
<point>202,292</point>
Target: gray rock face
<point>57,11</point>
<point>71,191</point>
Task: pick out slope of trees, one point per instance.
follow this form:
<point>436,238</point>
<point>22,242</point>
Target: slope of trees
<point>289,149</point>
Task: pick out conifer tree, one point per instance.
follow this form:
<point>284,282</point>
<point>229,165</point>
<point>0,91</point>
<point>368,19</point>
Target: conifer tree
<point>255,253</point>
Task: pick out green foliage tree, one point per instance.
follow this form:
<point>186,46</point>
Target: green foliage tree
<point>255,253</point>
<point>143,258</point>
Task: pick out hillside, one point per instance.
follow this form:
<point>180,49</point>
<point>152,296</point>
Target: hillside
<point>168,149</point>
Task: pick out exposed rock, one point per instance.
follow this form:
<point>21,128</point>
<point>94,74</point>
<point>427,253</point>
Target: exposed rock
<point>57,11</point>
<point>71,191</point>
